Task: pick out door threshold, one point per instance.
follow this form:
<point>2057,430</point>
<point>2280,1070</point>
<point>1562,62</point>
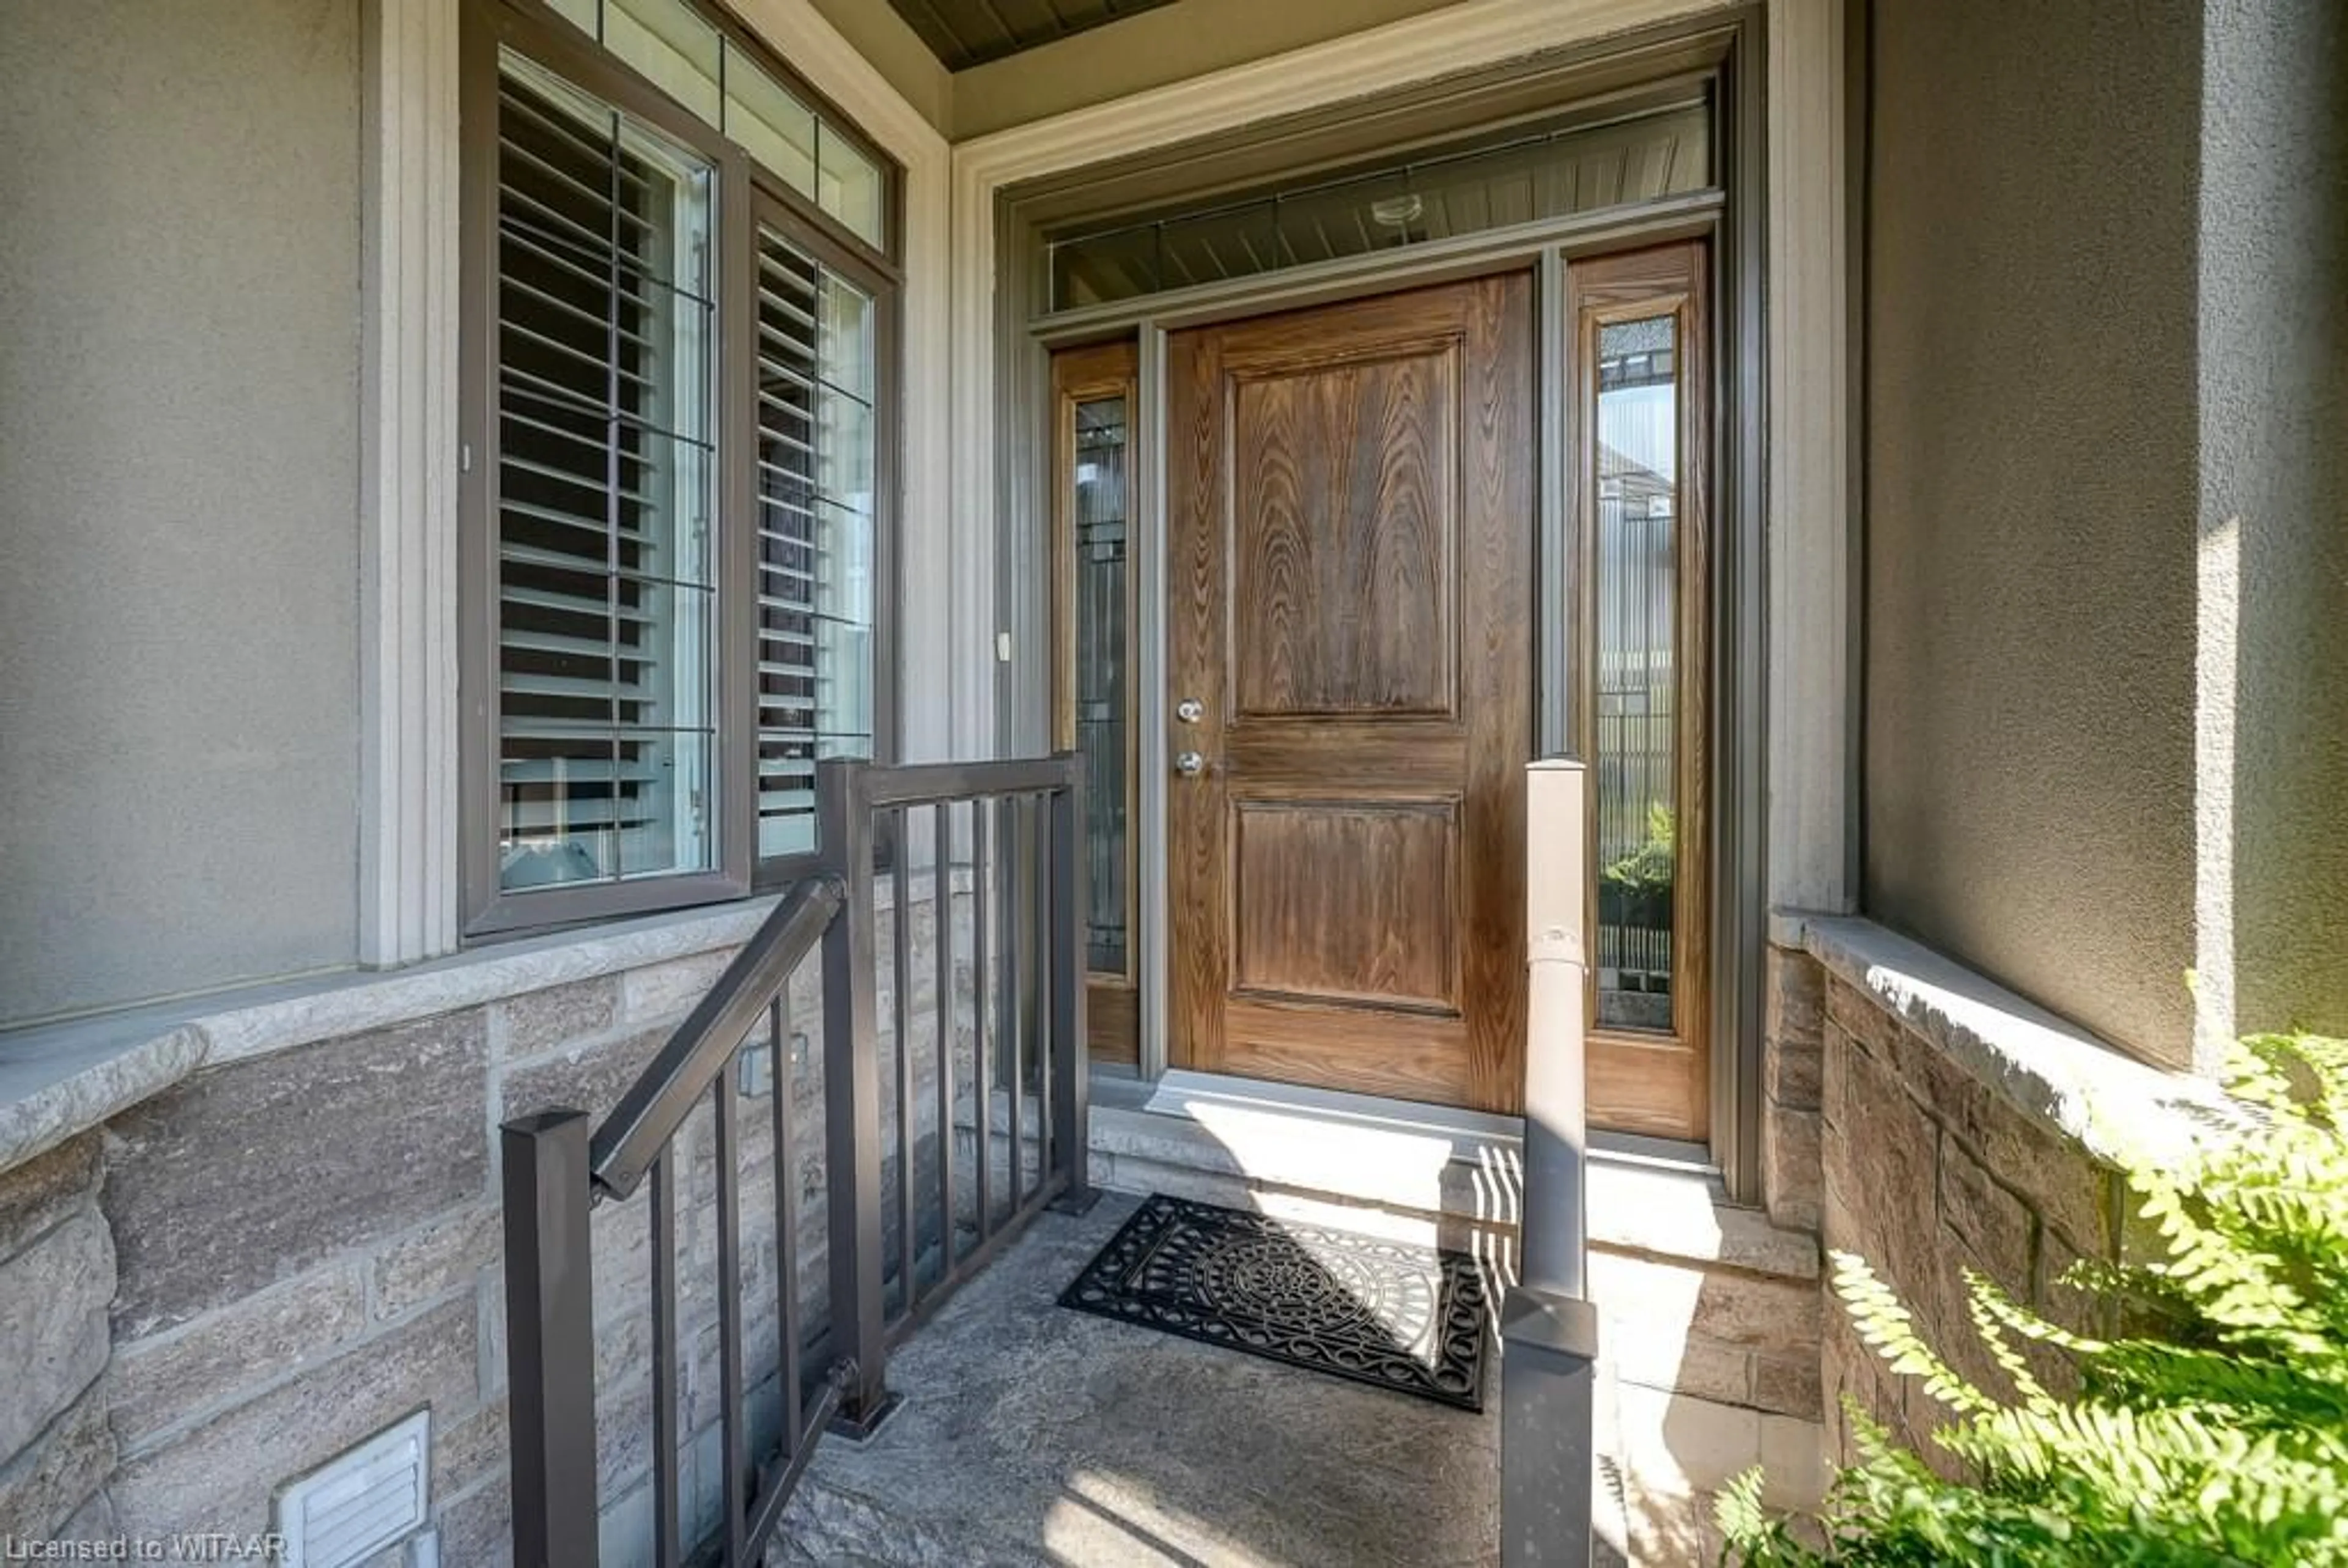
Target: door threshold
<point>1205,1096</point>
<point>1319,1164</point>
<point>1479,1138</point>
<point>1180,1091</point>
<point>1413,1172</point>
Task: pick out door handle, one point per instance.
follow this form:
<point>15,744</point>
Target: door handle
<point>1190,765</point>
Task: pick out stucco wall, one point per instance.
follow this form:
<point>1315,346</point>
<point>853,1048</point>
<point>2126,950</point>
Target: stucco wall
<point>178,397</point>
<point>2275,508</point>
<point>2031,407</point>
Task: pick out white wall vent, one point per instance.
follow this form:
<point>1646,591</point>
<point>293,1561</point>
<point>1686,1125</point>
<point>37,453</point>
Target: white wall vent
<point>353,1507</point>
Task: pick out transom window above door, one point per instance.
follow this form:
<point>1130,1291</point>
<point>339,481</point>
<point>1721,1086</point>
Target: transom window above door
<point>1498,179</point>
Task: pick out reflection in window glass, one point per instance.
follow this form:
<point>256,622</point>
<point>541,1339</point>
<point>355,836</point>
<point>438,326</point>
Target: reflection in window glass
<point>849,186</point>
<point>671,46</point>
<point>772,125</point>
<point>1099,479</point>
<point>1637,675</point>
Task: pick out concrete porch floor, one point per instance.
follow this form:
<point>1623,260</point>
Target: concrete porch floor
<point>1033,1434</point>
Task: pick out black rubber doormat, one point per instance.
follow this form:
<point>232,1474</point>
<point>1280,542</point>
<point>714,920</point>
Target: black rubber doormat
<point>1409,1319</point>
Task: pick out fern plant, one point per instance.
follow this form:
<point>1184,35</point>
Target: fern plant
<point>2213,1432</point>
<point>1656,862</point>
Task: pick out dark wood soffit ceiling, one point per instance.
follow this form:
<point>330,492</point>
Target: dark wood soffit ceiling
<point>965,32</point>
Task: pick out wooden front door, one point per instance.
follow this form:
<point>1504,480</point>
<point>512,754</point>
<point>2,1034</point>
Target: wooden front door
<point>1350,514</point>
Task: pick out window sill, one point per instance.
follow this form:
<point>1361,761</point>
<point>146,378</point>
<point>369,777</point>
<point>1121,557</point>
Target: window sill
<point>58,1081</point>
<point>2050,1070</point>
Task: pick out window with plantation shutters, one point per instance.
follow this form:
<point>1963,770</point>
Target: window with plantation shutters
<point>679,312</point>
<point>816,461</point>
<point>606,492</point>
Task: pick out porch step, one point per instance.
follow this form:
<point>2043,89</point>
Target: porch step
<point>1400,1178</point>
<point>1699,1300</point>
<point>1375,1181</point>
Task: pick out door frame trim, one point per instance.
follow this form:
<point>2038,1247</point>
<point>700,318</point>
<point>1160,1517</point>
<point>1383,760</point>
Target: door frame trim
<point>1772,144</point>
<point>1544,248</point>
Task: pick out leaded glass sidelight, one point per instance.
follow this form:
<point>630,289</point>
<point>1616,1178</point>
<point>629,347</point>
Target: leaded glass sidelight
<point>1102,691</point>
<point>605,486</point>
<point>1636,775</point>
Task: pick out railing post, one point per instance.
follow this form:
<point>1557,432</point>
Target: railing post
<point>1071,1060</point>
<point>550,1318</point>
<point>1548,1327</point>
<point>851,1097</point>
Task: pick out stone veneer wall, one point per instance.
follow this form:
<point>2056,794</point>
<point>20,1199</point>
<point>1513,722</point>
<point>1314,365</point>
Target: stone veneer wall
<point>238,1279</point>
<point>1712,1316</point>
<point>1927,1170</point>
<point>1792,1069</point>
<point>1749,1335</point>
<point>56,1274</point>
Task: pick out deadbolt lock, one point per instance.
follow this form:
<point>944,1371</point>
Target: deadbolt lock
<point>1189,710</point>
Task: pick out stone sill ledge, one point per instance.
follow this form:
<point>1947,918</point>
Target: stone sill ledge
<point>2051,1070</point>
<point>59,1080</point>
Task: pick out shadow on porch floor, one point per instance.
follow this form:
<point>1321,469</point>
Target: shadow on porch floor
<point>1032,1434</point>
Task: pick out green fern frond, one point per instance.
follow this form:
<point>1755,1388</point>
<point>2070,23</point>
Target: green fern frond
<point>2213,1432</point>
<point>1993,1312</point>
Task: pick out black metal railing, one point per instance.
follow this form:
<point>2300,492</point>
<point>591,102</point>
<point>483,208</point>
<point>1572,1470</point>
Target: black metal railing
<point>1003,841</point>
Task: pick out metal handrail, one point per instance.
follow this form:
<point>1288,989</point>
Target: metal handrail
<point>677,1080</point>
<point>928,784</point>
<point>648,1115</point>
<point>1027,1012</point>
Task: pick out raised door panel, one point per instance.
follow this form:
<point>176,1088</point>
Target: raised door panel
<point>1343,547</point>
<point>1347,902</point>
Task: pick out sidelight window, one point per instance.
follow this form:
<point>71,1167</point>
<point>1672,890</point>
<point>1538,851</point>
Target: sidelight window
<point>1638,670</point>
<point>1094,402</point>
<point>1637,365</point>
